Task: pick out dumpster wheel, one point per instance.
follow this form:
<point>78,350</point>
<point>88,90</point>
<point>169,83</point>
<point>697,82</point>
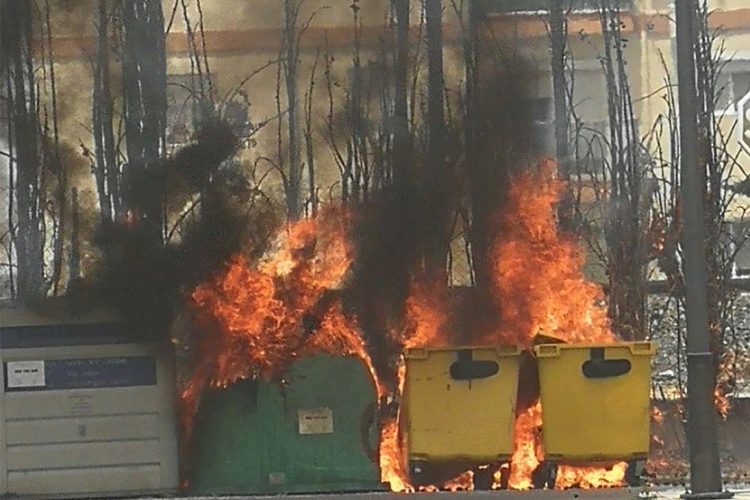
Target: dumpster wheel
<point>544,476</point>
<point>484,478</point>
<point>634,472</point>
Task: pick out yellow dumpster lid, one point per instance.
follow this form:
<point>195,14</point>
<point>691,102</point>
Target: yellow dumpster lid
<point>500,350</point>
<point>543,338</point>
<point>637,348</point>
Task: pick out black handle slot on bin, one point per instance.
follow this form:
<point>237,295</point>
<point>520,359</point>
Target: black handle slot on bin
<point>598,367</point>
<point>466,368</point>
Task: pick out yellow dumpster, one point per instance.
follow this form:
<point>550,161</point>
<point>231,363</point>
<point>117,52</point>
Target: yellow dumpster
<point>595,400</point>
<point>459,404</point>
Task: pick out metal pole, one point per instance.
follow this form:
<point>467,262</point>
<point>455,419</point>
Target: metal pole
<point>705,469</point>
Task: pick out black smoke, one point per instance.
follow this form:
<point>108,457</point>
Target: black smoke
<point>147,278</point>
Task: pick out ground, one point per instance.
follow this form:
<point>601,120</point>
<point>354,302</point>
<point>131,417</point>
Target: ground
<point>741,492</point>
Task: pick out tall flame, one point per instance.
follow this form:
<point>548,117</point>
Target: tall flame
<point>257,318</point>
<point>539,288</point>
<point>538,278</point>
<point>527,452</point>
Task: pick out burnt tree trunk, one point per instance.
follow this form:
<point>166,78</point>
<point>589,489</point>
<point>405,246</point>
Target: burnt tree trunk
<point>290,63</point>
<point>558,30</point>
<point>627,229</point>
<point>16,60</point>
<point>434,179</point>
<point>470,54</point>
<point>107,172</point>
<point>145,101</point>
<point>403,168</point>
<point>53,157</point>
<point>74,259</point>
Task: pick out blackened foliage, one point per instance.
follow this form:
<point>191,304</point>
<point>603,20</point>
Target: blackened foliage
<point>387,240</point>
<point>396,232</point>
<point>146,279</point>
<point>474,314</point>
<point>394,235</point>
<point>504,141</point>
<point>186,173</point>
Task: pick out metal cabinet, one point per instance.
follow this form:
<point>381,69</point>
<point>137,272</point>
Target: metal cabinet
<point>86,408</point>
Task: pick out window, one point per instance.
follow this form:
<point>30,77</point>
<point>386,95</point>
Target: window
<point>506,6</point>
<point>732,85</point>
<point>590,104</point>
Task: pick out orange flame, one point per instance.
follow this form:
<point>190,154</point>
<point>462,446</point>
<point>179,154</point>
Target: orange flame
<point>538,278</point>
<point>527,452</point>
<point>569,476</point>
<point>721,402</point>
<point>540,288</point>
<point>657,416</point>
<point>463,482</point>
<point>426,315</point>
<point>259,318</point>
<point>392,467</point>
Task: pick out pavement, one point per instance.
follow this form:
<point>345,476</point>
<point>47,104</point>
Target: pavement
<point>740,493</point>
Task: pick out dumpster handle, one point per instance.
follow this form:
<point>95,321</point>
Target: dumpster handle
<point>598,367</point>
<point>466,368</point>
<point>369,418</point>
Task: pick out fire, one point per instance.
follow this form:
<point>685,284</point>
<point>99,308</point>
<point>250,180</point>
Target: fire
<point>258,317</point>
<point>426,315</point>
<point>392,467</point>
<point>539,284</point>
<point>527,453</point>
<point>464,482</point>
<point>657,416</point>
<point>591,477</point>
<point>724,380</point>
<point>541,289</point>
<point>391,464</point>
<point>721,402</point>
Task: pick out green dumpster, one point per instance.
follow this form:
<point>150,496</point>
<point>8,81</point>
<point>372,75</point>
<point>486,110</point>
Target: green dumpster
<point>316,432</point>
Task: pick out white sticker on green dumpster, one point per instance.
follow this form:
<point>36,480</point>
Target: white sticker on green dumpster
<point>315,421</point>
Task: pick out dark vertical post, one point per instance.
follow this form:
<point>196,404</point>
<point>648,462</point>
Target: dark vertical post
<point>74,269</point>
<point>705,470</point>
<point>558,42</point>
<point>402,165</point>
<point>435,112</point>
<point>435,171</point>
<point>291,10</point>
